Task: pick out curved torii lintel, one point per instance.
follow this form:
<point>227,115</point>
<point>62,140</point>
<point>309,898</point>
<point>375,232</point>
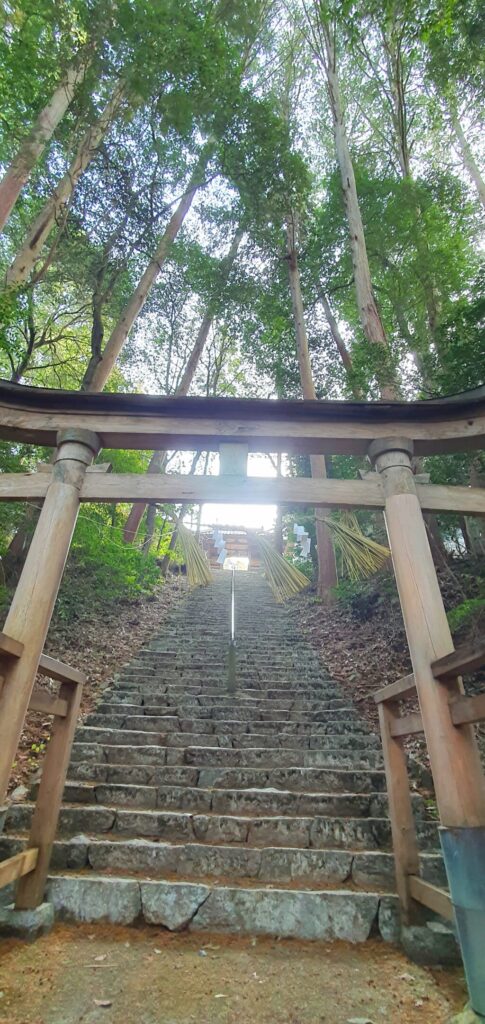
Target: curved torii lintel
<point>436,426</point>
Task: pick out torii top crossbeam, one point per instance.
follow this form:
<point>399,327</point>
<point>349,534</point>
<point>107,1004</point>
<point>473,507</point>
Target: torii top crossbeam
<point>436,426</point>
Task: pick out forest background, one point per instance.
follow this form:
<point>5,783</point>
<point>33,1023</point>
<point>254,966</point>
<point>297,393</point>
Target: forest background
<point>243,199</point>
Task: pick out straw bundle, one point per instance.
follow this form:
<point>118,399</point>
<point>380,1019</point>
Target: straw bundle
<point>198,570</point>
<point>284,579</point>
<point>360,556</point>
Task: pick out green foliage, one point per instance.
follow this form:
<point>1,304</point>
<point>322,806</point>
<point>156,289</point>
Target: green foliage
<point>367,598</point>
<point>465,613</point>
<point>102,568</point>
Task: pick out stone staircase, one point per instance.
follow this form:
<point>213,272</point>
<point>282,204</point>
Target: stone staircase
<point>258,811</point>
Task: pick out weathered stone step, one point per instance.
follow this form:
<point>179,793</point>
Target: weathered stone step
<point>319,832</point>
<point>228,757</point>
<point>218,670</point>
<point>374,868</point>
<point>207,684</point>
<point>297,780</point>
<point>289,913</point>
<point>239,741</point>
<point>252,801</point>
<point>178,691</point>
<point>335,723</point>
<point>224,706</point>
<point>320,740</point>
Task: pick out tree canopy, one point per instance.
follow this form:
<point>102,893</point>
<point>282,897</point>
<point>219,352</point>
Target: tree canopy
<point>138,140</point>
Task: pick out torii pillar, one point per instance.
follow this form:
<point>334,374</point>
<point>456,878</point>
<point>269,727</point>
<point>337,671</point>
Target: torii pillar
<point>455,763</point>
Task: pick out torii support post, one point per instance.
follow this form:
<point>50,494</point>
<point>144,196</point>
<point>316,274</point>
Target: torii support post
<point>33,602</point>
<point>458,779</point>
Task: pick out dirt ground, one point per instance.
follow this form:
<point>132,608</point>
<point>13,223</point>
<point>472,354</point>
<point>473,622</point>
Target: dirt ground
<point>104,975</point>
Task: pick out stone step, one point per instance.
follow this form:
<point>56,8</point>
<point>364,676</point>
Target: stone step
<point>286,913</point>
<point>348,724</point>
<point>318,740</point>
<point>252,801</point>
<point>296,780</point>
<point>218,671</point>
<point>319,832</point>
<point>182,693</point>
<point>374,868</point>
<point>222,706</point>
<point>179,690</point>
<point>227,757</point>
<point>262,810</point>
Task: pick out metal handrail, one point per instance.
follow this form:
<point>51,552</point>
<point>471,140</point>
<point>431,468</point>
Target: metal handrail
<point>233,605</point>
<point>231,664</point>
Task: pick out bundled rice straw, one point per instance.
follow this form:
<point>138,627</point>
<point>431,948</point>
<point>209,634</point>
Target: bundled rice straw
<point>360,555</point>
<point>284,579</point>
<point>198,569</point>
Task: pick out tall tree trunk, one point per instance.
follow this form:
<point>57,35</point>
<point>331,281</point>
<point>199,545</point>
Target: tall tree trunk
<point>370,318</point>
<point>24,262</point>
<point>157,460</point>
<point>396,79</point>
<point>467,156</point>
<point>97,372</point>
<point>327,569</point>
<point>150,527</point>
<point>476,527</point>
<point>33,145</point>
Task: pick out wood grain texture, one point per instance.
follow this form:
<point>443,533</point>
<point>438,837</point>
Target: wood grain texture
<point>265,427</point>
<point>432,897</point>
<point>404,842</point>
<point>30,890</point>
<point>468,709</point>
<point>466,658</point>
<point>48,704</point>
<point>407,725</point>
<point>18,865</point>
<point>10,647</point>
<point>60,671</point>
<point>455,763</point>
<point>402,688</point>
<point>31,609</point>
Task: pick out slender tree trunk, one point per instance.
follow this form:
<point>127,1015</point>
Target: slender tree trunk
<point>171,544</point>
<point>24,262</point>
<point>327,569</point>
<point>396,80</point>
<point>96,375</point>
<point>467,156</point>
<point>476,527</point>
<point>33,145</point>
<point>157,460</point>
<point>370,317</point>
<point>397,89</point>
<point>150,527</point>
<point>340,346</point>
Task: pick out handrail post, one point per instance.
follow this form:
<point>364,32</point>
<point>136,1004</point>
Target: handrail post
<point>30,888</point>
<point>404,841</point>
<point>30,613</point>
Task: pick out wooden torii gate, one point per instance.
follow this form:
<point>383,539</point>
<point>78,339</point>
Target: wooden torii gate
<point>78,425</point>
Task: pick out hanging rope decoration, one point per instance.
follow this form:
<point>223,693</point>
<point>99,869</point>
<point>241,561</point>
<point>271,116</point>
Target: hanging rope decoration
<point>198,569</point>
<point>284,579</point>
<point>360,556</point>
